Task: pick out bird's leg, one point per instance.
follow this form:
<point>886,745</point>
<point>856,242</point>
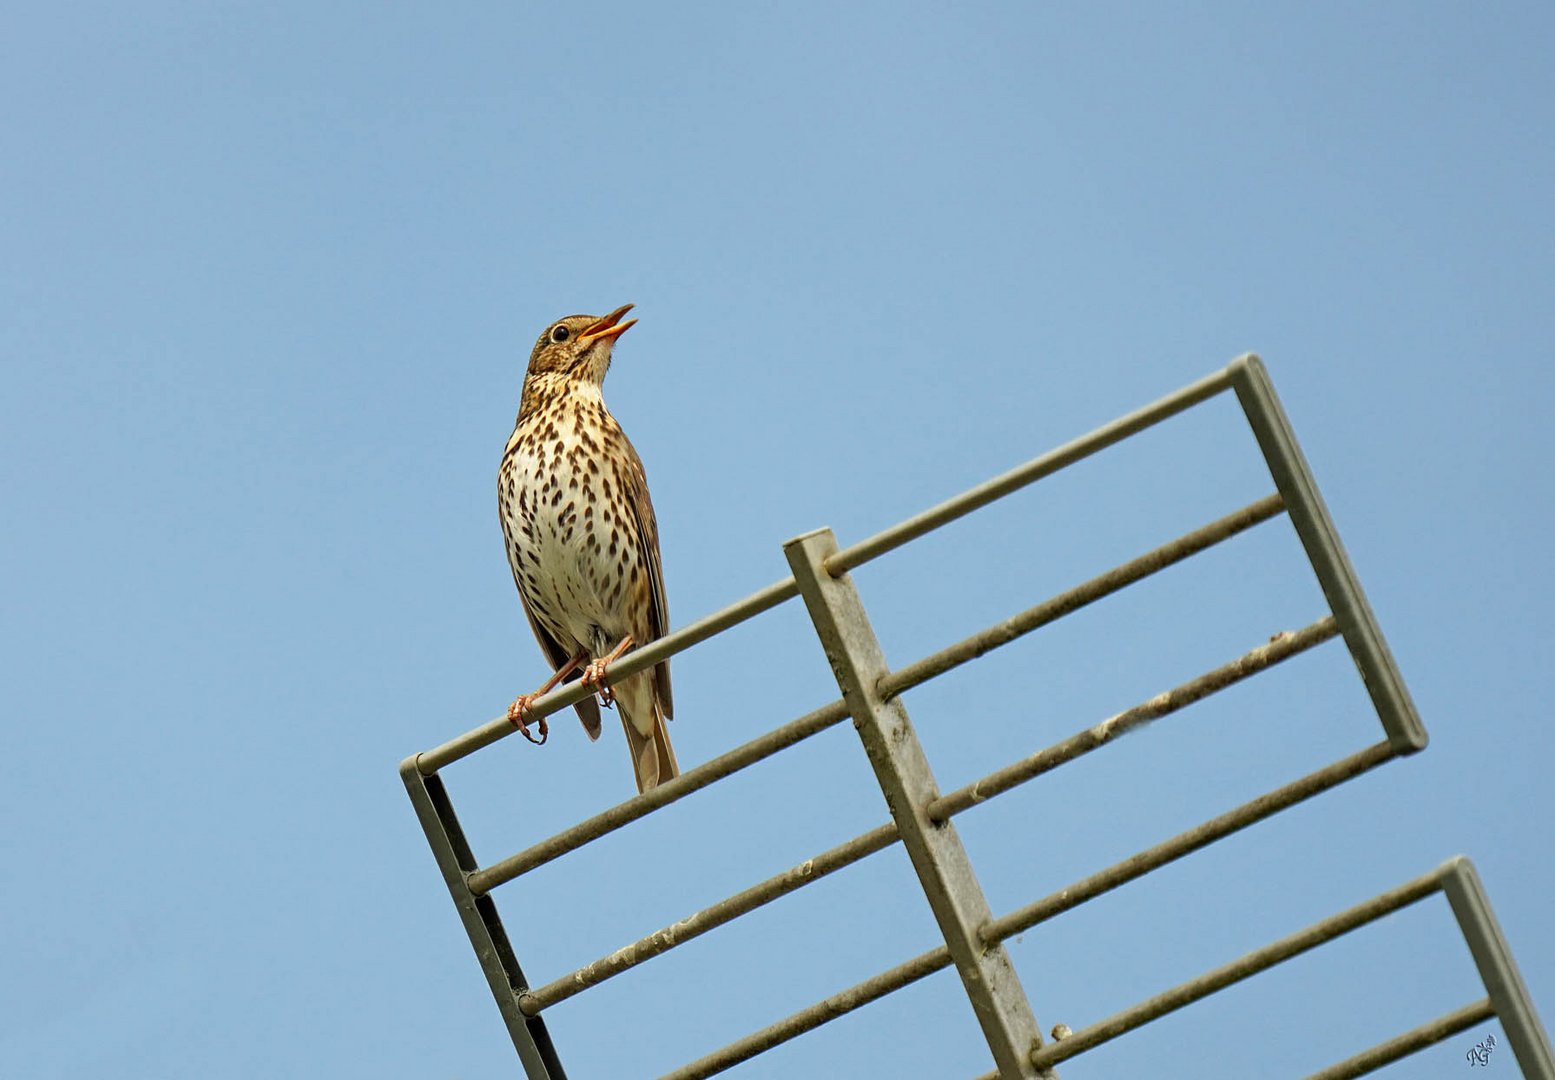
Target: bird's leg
<point>594,674</point>
<point>518,712</point>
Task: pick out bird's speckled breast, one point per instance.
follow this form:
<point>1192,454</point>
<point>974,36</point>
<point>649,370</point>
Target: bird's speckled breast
<point>565,517</point>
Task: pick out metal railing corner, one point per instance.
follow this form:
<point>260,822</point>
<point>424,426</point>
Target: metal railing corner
<point>1335,574</point>
<point>1497,969</point>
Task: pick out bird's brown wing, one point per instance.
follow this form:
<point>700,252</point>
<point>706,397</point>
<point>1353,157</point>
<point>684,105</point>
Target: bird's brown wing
<point>588,708</point>
<point>640,506</point>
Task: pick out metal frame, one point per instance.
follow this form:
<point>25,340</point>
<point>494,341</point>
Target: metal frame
<point>920,813</point>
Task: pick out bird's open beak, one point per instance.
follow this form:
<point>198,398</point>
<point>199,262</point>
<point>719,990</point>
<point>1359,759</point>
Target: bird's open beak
<point>608,327</point>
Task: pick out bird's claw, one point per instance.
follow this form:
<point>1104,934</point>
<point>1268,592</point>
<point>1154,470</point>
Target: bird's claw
<point>518,716</point>
<point>594,674</point>
<point>594,679</point>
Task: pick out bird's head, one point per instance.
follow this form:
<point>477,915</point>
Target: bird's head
<point>577,348</point>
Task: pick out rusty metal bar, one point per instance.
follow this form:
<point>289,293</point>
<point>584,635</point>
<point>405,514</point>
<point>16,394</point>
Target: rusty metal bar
<point>1186,842</point>
<point>740,903</point>
<point>1412,1041</point>
<point>1242,968</point>
<point>1280,647</point>
<point>608,821</point>
<point>824,1011</point>
<point>636,660</point>
<point>1051,462</point>
<point>1071,600</point>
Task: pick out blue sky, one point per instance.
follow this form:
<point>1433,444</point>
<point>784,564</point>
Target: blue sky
<point>270,275</point>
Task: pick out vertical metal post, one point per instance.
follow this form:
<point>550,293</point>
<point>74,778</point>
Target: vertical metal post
<point>902,770</point>
<point>1341,587</point>
<point>481,921</point>
<point>1503,982</point>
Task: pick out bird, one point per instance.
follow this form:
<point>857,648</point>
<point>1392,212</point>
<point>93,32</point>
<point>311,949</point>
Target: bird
<point>583,542</point>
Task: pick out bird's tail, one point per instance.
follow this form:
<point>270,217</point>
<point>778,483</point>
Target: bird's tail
<point>653,758</point>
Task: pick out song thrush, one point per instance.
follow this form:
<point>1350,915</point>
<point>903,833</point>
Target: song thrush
<point>582,539</point>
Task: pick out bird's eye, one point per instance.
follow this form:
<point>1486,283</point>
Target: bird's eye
<point>560,334</point>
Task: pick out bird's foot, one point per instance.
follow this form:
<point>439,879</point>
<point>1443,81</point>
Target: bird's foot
<point>594,674</point>
<point>522,709</point>
<point>594,679</point>
<point>519,714</point>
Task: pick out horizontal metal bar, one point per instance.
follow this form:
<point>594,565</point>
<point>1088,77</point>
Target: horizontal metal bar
<point>1242,968</point>
<point>741,903</point>
<point>1185,843</point>
<point>1413,1041</point>
<point>634,661</point>
<point>1071,600</point>
<point>807,1019</point>
<point>1280,647</point>
<point>850,558</point>
<point>608,821</point>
